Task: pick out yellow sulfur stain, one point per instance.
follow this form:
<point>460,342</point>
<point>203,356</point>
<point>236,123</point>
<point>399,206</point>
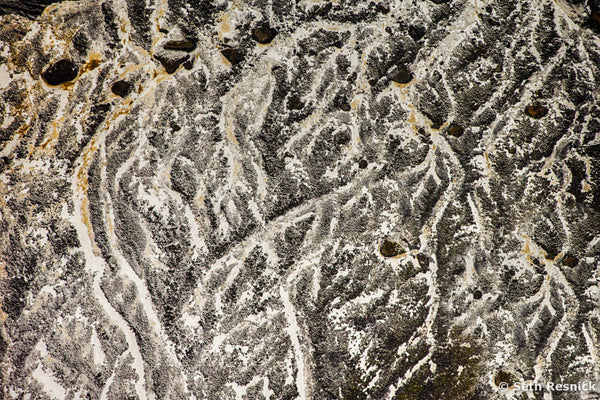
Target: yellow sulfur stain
<point>402,85</point>
<point>444,125</point>
<point>412,121</point>
<point>68,85</point>
<point>558,257</point>
<point>82,184</point>
<point>487,160</point>
<point>111,227</point>
<point>586,187</point>
<point>237,168</point>
<point>230,134</point>
<point>50,141</point>
<point>224,60</point>
<point>200,201</point>
<point>3,275</point>
<point>124,109</point>
<point>224,25</point>
<point>130,68</point>
<point>161,76</point>
<point>93,63</point>
<point>400,256</point>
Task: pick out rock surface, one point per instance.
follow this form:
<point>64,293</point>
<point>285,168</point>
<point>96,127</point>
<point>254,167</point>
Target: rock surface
<point>211,227</point>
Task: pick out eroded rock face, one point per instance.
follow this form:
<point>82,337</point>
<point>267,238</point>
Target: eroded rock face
<point>331,200</point>
<point>29,8</point>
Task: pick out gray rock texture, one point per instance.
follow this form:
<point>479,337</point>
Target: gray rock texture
<point>251,199</point>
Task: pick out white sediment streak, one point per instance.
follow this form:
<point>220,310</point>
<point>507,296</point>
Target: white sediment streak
<point>95,265</point>
<point>294,331</point>
<point>49,383</point>
<point>128,271</point>
<point>4,76</point>
<point>98,354</point>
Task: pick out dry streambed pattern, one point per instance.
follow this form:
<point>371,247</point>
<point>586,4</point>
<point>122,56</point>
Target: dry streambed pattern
<point>314,200</point>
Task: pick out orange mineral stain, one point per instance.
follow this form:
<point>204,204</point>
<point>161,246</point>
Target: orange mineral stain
<point>93,63</point>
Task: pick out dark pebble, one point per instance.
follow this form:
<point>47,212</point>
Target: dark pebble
<point>537,155</point>
<point>536,110</point>
<point>401,74</point>
<point>382,8</point>
<point>416,32</point>
<point>594,21</point>
<point>504,377</point>
<point>551,254</point>
<point>263,34</point>
<point>390,249</point>
<point>121,88</point>
<point>345,106</point>
<point>294,103</point>
<point>171,63</point>
<point>232,55</point>
<point>60,72</point>
<point>477,294</point>
<point>362,164</point>
<point>455,130</point>
<point>186,45</point>
<point>423,260</point>
<point>570,261</point>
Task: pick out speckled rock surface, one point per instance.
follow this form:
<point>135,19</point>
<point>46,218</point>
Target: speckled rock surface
<point>299,200</point>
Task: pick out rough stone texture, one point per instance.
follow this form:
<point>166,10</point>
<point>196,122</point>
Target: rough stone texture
<point>211,227</point>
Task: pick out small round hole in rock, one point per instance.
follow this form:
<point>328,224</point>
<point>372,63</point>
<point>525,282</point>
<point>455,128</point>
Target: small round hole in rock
<point>401,74</point>
<point>188,45</point>
<point>504,377</point>
<point>232,55</point>
<point>294,103</point>
<point>60,72</point>
<point>455,130</point>
<point>390,249</point>
<point>263,34</point>
<point>121,88</point>
<point>570,261</point>
<point>536,110</point>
